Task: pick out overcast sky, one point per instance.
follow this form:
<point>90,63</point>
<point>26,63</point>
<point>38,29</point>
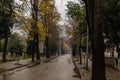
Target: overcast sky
<point>61,7</point>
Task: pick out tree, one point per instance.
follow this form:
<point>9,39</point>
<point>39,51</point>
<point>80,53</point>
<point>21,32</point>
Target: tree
<point>37,23</point>
<point>1,45</point>
<point>53,39</point>
<point>31,24</point>
<point>94,20</point>
<point>34,4</point>
<point>50,17</point>
<point>6,21</point>
<point>15,44</point>
<point>111,24</point>
<point>77,13</point>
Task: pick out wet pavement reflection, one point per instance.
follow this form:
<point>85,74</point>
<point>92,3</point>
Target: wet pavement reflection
<point>60,68</point>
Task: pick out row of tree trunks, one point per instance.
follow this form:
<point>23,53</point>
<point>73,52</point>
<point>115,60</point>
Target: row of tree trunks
<point>7,26</point>
<point>5,47</point>
<point>35,45</point>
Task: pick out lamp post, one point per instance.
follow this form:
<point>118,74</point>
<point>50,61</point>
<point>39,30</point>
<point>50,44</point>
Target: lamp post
<point>87,46</point>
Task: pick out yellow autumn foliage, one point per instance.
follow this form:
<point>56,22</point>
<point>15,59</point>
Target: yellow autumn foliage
<point>41,30</point>
<point>46,10</point>
<point>65,45</point>
<point>30,37</point>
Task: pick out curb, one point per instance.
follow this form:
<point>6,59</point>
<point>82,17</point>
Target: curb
<point>29,64</point>
<point>76,68</point>
<point>16,67</point>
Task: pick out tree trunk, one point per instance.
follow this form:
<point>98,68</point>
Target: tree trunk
<point>34,4</point>
<point>5,44</point>
<point>32,52</point>
<point>98,59</point>
<point>80,50</point>
<point>47,47</point>
<point>74,46</point>
<point>87,48</point>
<point>5,49</point>
<point>112,52</point>
<point>37,47</point>
<point>36,36</point>
<point>93,9</point>
<point>33,57</point>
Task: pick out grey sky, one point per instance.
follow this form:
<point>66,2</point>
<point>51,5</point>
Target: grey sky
<point>61,7</point>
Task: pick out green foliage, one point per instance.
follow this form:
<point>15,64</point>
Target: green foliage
<point>53,40</point>
<point>111,20</point>
<point>29,47</point>
<point>78,14</point>
<point>1,45</point>
<point>15,45</point>
<point>6,16</point>
<point>74,10</point>
<point>53,47</point>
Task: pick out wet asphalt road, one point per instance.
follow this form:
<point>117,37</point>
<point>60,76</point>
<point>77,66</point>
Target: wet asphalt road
<point>60,68</point>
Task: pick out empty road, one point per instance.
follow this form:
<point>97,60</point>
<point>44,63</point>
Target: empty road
<point>60,68</point>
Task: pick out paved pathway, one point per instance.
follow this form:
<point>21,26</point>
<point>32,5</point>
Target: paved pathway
<point>60,68</point>
<point>9,65</point>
